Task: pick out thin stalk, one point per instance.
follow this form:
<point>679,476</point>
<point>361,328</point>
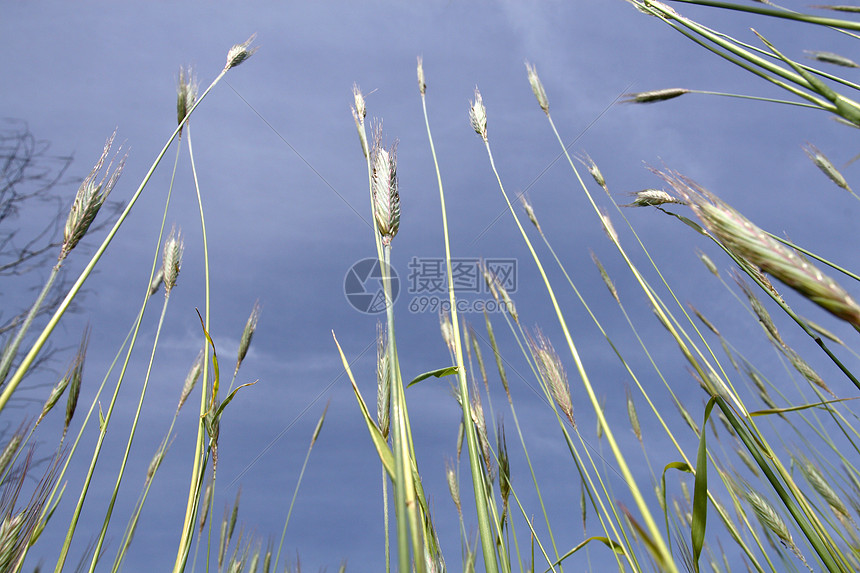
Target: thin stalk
<point>604,514</point>
<point>771,56</point>
<point>296,491</point>
<point>522,442</point>
<point>11,350</point>
<point>658,306</point>
<point>755,61</point>
<point>484,530</point>
<point>198,466</point>
<point>208,504</point>
<point>601,511</point>
<point>103,429</point>
<point>805,18</point>
<point>812,255</point>
<point>404,491</point>
<point>756,98</point>
<point>359,113</point>
<point>385,524</point>
<point>720,509</point>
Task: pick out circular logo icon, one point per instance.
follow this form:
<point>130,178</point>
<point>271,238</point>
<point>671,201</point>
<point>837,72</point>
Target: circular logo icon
<point>363,285</point>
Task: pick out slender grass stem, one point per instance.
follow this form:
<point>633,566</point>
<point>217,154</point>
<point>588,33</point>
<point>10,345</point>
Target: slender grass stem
<point>761,10</point>
<point>11,350</point>
<point>825,553</point>
<point>385,525</point>
<point>298,484</point>
<point>746,59</point>
<point>489,552</point>
<point>157,459</point>
<point>408,529</point>
<point>756,98</point>
<point>106,420</point>
<point>812,255</point>
<point>198,466</point>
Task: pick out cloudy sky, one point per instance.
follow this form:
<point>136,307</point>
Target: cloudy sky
<point>284,189</point>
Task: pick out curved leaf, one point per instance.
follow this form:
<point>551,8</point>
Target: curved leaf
<point>614,545</point>
<point>385,455</point>
<point>797,408</point>
<point>447,371</point>
<point>700,492</point>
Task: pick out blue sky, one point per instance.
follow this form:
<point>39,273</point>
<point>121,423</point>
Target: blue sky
<point>284,186</point>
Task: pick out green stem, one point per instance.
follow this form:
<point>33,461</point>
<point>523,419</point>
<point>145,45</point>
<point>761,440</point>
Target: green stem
<point>484,529</point>
<point>198,466</point>
<point>296,491</point>
<point>385,521</point>
<point>756,98</point>
<point>11,350</point>
<point>405,505</point>
<point>805,18</point>
<point>752,63</point>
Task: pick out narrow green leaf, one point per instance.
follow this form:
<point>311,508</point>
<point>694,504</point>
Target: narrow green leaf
<point>650,544</point>
<point>613,545</point>
<point>385,455</point>
<point>447,371</point>
<point>215,369</point>
<point>798,408</point>
<point>230,397</point>
<point>846,107</point>
<point>814,83</point>
<point>680,466</point>
<point>689,222</point>
<point>700,491</point>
